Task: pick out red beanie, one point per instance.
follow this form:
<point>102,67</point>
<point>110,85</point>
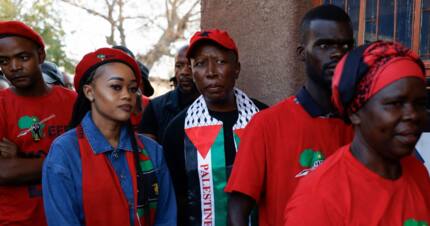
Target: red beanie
<point>93,60</point>
<point>17,28</point>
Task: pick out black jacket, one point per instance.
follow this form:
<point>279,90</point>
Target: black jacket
<point>160,111</point>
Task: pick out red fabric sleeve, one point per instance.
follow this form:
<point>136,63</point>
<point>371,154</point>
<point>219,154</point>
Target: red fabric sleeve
<point>249,167</point>
<point>306,209</point>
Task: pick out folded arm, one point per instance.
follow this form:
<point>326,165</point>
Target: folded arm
<point>15,170</point>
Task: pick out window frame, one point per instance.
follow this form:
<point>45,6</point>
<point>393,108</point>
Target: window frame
<point>416,23</point>
<point>419,25</point>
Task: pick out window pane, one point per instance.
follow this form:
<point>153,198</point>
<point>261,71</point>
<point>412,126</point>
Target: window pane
<point>354,13</point>
<point>386,20</point>
<point>370,26</point>
<point>404,22</point>
<point>340,3</point>
<point>425,31</point>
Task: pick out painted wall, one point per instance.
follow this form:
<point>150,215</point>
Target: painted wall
<point>266,32</point>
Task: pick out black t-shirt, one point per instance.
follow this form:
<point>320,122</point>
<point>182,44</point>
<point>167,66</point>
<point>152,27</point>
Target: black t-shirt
<point>173,145</point>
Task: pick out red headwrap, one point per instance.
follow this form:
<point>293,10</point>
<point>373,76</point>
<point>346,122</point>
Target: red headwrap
<point>369,68</point>
<point>16,28</point>
<point>95,59</point>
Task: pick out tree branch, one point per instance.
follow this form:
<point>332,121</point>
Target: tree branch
<point>192,8</point>
<point>171,23</point>
<point>88,10</point>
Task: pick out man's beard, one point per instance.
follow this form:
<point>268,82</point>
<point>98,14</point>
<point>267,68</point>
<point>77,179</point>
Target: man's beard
<point>319,78</point>
<point>190,90</point>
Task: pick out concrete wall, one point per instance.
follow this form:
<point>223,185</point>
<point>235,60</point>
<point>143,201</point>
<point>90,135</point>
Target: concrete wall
<point>266,32</point>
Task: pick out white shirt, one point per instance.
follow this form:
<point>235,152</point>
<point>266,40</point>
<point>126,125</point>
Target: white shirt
<point>423,147</point>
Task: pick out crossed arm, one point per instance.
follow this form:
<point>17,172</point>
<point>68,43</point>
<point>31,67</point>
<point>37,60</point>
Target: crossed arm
<point>15,170</point>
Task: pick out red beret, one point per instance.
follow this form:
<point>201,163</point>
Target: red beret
<point>93,60</point>
<point>16,28</point>
<point>218,36</point>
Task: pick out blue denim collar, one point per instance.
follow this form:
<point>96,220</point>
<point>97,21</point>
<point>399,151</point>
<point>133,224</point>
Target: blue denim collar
<point>98,142</point>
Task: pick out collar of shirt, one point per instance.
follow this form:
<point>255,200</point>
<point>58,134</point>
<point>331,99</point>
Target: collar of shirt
<point>310,105</point>
<point>98,142</point>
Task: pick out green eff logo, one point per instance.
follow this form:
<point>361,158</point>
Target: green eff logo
<point>310,160</point>
<point>413,222</point>
<point>32,124</point>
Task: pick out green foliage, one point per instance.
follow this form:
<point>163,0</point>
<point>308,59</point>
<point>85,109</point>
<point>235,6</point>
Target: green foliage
<point>40,15</point>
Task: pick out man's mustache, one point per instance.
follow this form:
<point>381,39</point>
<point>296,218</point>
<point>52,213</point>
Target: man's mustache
<point>329,65</point>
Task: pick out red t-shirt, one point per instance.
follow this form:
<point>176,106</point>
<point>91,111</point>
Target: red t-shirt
<point>44,118</point>
<point>278,144</point>
<point>344,192</point>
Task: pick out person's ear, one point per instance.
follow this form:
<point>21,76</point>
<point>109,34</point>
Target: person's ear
<point>237,71</point>
<point>354,118</point>
<point>42,55</point>
<point>88,92</point>
<point>300,52</point>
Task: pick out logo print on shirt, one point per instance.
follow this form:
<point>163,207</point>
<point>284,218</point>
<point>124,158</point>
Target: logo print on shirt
<point>413,222</point>
<point>33,125</point>
<point>311,160</point>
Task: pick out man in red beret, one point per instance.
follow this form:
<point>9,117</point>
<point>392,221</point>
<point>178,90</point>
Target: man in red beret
<point>201,142</point>
<point>32,115</point>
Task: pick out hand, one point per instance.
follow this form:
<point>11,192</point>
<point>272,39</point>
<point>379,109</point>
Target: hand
<point>8,149</point>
